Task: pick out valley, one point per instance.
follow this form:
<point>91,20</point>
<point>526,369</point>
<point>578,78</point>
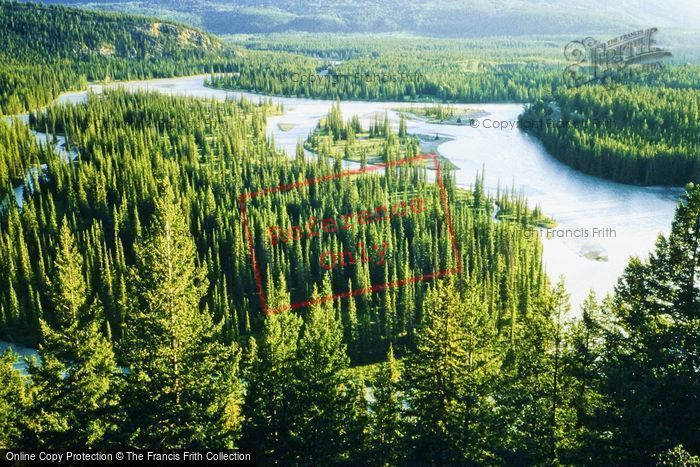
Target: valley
<point>359,232</point>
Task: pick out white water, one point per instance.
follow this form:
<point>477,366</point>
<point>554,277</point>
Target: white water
<point>510,158</point>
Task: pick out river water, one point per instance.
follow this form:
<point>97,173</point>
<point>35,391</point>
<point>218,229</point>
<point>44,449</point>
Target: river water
<point>23,352</point>
<point>600,223</point>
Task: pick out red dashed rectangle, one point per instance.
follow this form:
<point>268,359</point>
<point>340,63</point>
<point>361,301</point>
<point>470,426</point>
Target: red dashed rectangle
<point>332,224</point>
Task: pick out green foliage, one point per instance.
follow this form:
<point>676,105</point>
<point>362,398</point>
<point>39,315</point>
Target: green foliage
<point>417,78</point>
<point>18,152</point>
<point>14,401</point>
<point>348,140</point>
<point>182,388</point>
<point>678,457</point>
<point>640,134</point>
<point>46,50</point>
<point>75,386</point>
<point>386,416</point>
<point>149,267</point>
<point>322,358</point>
<point>651,357</point>
<point>270,405</point>
<point>446,382</point>
<point>584,344</point>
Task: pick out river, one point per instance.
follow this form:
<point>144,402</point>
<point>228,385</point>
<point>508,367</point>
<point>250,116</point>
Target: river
<point>600,223</point>
<point>627,218</point>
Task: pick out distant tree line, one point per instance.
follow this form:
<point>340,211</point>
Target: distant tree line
<point>639,134</point>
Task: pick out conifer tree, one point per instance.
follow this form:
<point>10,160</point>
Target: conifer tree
<point>322,358</point>
<point>14,402</point>
<point>270,405</point>
<point>534,397</point>
<point>651,360</point>
<point>559,402</point>
<point>387,424</point>
<point>435,378</point>
<point>354,420</point>
<point>584,345</point>
<point>183,386</point>
<point>76,399</point>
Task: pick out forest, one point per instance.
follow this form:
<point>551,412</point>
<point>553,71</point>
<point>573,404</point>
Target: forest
<point>639,134</point>
<point>61,49</point>
<point>130,267</point>
<point>451,18</point>
<point>375,68</point>
<point>46,50</point>
<point>481,367</point>
<point>392,78</point>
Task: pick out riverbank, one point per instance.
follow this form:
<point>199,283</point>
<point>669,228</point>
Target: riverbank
<point>510,159</point>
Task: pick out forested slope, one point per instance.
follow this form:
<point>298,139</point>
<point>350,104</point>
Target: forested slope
<point>639,133</point>
<point>48,49</point>
<point>446,18</point>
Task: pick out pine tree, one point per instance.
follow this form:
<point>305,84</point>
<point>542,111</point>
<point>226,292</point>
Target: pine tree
<point>15,399</point>
<point>534,399</point>
<point>683,261</point>
<point>271,405</point>
<point>387,424</point>
<point>183,386</point>
<point>322,358</point>
<point>69,289</point>
<point>76,399</point>
<point>435,378</point>
<point>651,359</point>
<point>561,309</point>
<point>354,421</point>
<point>584,345</point>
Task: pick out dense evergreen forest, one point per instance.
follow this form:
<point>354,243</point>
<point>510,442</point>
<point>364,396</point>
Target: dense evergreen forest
<point>641,134</point>
<point>109,187</point>
<point>50,49</point>
<point>392,78</point>
<point>130,270</point>
<point>481,367</point>
<point>409,68</point>
<point>46,50</point>
<point>399,68</point>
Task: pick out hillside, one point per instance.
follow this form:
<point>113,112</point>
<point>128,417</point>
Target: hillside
<point>45,50</point>
<point>33,32</point>
<point>448,17</point>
